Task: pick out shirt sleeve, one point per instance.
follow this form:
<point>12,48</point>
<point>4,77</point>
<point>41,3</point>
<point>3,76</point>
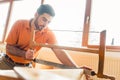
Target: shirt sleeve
<point>13,35</point>
<point>51,38</point>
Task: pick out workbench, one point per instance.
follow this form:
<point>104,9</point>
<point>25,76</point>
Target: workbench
<point>25,73</point>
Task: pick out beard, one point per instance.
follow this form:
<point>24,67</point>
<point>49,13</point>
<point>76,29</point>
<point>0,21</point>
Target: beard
<point>38,27</point>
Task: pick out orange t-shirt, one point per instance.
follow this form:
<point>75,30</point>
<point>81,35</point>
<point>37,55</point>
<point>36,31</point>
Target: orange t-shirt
<point>20,36</point>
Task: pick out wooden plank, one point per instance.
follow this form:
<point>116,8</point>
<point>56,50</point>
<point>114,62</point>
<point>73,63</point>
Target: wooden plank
<point>82,49</point>
<point>9,75</point>
<point>49,74</point>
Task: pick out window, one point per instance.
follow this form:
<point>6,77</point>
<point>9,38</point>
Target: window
<point>105,15</point>
<point>68,22</point>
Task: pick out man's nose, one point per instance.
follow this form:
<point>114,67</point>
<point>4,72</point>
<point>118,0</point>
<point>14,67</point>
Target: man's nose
<point>45,23</point>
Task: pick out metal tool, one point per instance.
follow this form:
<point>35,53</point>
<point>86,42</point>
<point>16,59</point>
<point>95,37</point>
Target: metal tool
<point>62,66</point>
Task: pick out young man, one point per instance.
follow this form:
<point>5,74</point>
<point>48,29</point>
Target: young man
<point>18,50</point>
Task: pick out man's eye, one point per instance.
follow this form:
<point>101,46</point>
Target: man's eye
<point>45,20</point>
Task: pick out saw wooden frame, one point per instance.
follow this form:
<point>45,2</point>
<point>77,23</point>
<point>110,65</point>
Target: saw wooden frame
<point>100,51</point>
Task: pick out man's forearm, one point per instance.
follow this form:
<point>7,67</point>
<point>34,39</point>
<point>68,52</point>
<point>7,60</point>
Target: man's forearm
<point>64,57</point>
<point>15,51</point>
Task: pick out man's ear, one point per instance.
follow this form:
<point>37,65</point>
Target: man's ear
<point>36,14</point>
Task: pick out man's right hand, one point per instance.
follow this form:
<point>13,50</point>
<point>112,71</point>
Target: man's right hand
<point>29,54</point>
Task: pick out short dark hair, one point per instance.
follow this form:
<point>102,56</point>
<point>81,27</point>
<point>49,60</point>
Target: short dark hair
<point>46,8</point>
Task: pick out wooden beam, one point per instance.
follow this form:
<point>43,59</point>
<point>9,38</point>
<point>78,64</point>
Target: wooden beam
<point>86,23</point>
<point>42,1</point>
<point>101,53</point>
<point>4,1</point>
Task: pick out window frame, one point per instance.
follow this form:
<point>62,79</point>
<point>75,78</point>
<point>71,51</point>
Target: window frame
<point>87,29</point>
